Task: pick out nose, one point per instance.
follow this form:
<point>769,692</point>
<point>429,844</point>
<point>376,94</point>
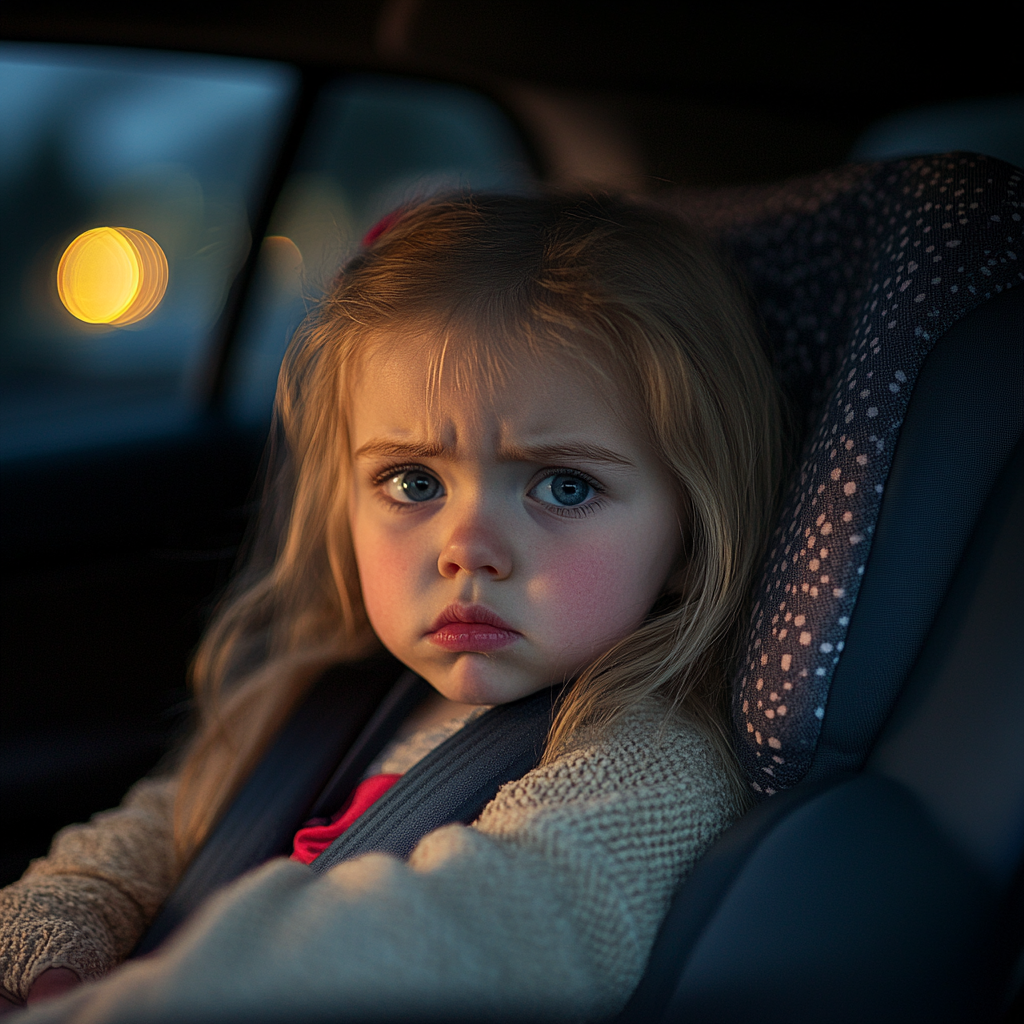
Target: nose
<point>475,544</point>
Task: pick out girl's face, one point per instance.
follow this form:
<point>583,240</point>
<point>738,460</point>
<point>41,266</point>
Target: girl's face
<point>504,541</point>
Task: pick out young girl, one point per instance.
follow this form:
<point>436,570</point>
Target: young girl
<point>530,442</point>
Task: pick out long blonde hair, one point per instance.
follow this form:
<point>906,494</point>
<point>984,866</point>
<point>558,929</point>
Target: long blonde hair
<point>622,291</point>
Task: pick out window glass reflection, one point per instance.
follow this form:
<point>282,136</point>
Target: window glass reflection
<point>173,148</point>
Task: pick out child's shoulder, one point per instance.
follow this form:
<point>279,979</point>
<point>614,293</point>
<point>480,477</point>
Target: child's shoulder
<point>650,762</point>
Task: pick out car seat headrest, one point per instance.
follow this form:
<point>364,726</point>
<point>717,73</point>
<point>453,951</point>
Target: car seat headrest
<point>856,273</point>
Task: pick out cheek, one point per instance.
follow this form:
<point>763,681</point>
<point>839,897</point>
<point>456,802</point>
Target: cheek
<point>389,566</point>
<point>594,595</point>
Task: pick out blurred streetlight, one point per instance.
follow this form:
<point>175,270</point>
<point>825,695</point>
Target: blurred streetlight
<point>112,276</point>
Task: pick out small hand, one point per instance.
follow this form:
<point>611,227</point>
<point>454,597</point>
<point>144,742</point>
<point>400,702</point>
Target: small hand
<point>9,1002</point>
<point>54,981</point>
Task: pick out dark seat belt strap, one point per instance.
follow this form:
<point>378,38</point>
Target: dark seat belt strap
<point>345,717</point>
<point>407,693</point>
<point>453,783</point>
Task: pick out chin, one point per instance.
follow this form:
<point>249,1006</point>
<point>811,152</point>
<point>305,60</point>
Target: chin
<point>476,679</point>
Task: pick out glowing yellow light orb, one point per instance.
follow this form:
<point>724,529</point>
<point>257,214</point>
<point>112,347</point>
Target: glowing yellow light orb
<point>112,276</point>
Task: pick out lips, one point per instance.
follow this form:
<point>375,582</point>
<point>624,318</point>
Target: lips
<point>471,628</point>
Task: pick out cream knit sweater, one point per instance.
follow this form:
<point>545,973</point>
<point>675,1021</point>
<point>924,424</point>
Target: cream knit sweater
<point>546,906</point>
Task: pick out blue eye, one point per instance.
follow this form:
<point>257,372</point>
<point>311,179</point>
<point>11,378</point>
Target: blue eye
<point>413,485</point>
<point>563,489</point>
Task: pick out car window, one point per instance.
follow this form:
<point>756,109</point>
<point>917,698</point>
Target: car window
<point>129,184</point>
<point>173,148</point>
<point>374,143</point>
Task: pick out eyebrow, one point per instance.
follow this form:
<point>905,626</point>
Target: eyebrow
<point>571,451</point>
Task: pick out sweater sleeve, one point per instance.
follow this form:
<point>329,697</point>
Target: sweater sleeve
<point>546,908</point>
<point>86,904</point>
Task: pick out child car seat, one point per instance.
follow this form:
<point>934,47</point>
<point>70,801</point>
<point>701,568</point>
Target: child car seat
<point>881,687</point>
<point>877,703</point>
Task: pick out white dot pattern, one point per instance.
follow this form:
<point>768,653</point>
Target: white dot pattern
<point>856,273</point>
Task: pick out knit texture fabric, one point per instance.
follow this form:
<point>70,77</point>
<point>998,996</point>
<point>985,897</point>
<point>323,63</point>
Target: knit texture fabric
<point>403,752</point>
<point>549,903</point>
<point>86,904</point>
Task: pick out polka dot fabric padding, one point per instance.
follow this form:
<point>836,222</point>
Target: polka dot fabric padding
<point>856,273</point>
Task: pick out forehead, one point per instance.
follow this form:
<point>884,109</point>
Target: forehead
<point>461,395</point>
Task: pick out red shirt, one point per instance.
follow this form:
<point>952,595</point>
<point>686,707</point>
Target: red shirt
<point>315,836</point>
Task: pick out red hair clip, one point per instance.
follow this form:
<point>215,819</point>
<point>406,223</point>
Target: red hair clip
<point>381,227</point>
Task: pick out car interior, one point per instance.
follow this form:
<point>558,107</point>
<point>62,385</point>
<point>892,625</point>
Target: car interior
<point>863,175</point>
